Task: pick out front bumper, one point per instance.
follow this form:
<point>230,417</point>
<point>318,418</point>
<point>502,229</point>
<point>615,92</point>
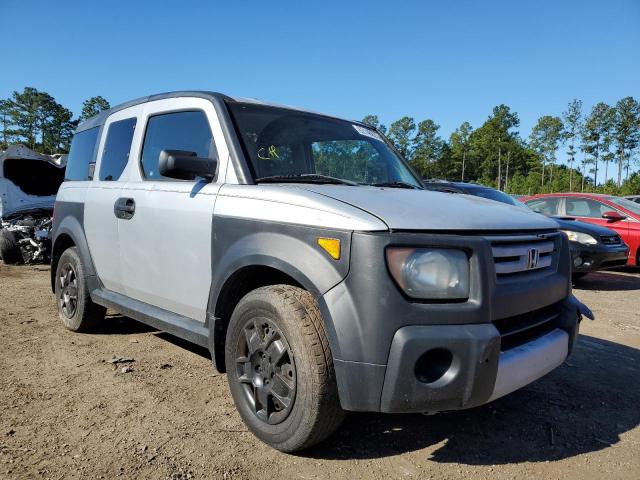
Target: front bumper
<point>479,371</point>
<point>378,336</point>
<point>586,258</point>
<point>529,362</point>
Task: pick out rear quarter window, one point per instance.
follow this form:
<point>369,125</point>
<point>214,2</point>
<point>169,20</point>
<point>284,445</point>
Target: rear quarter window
<point>81,155</point>
<point>546,206</point>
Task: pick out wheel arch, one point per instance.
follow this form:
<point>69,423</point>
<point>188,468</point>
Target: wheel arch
<point>69,233</point>
<point>247,275</point>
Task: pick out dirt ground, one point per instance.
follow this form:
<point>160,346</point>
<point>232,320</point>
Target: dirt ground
<point>66,412</point>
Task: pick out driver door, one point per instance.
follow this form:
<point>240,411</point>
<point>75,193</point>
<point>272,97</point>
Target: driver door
<point>166,244</point>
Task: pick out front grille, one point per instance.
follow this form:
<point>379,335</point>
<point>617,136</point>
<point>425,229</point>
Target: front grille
<point>611,239</point>
<point>523,254</point>
<point>526,327</point>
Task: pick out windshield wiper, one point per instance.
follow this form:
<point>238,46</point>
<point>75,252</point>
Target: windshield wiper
<point>396,185</point>
<point>306,178</point>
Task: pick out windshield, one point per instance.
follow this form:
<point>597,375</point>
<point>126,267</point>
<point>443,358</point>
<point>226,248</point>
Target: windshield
<point>306,147</point>
<point>627,204</point>
<point>496,195</point>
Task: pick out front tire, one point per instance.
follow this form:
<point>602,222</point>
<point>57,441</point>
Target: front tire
<point>75,307</point>
<point>280,368</point>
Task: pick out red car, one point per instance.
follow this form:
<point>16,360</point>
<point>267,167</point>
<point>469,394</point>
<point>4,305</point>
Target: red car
<point>616,213</point>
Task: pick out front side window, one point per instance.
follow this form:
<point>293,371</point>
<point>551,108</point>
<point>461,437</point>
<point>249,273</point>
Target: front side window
<point>546,206</point>
<point>630,205</point>
<point>81,154</point>
<point>290,144</point>
<point>187,131</point>
<point>585,207</point>
<point>116,149</point>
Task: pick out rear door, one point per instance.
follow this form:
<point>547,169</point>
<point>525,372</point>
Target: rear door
<point>166,244</point>
<point>100,222</point>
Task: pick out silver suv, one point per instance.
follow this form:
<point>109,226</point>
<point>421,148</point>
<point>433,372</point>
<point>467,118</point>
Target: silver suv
<point>304,252</point>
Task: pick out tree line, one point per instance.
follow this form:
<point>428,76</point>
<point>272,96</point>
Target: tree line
<point>37,120</point>
<point>598,142</point>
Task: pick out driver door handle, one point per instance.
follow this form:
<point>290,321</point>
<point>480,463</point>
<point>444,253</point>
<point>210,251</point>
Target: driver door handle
<point>124,208</point>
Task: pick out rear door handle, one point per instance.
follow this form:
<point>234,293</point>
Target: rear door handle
<point>124,208</point>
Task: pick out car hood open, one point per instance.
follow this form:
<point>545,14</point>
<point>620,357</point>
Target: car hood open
<point>28,180</point>
<point>404,209</point>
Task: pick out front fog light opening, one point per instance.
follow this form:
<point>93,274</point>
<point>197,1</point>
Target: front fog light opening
<point>577,261</point>
<point>434,365</point>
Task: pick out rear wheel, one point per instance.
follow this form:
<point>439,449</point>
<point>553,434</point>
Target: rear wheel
<point>9,249</point>
<point>280,369</point>
<point>75,307</point>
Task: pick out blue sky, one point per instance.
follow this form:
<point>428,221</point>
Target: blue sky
<point>449,61</point>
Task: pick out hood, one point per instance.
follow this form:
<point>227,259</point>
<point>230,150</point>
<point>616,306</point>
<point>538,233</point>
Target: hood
<point>569,223</point>
<point>403,209</point>
<point>28,180</point>
<point>31,207</point>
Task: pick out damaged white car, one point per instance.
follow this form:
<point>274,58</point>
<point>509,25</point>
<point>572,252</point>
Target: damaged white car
<point>29,182</point>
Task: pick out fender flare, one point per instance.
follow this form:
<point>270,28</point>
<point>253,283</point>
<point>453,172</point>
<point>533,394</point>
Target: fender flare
<point>71,227</point>
<point>293,254</point>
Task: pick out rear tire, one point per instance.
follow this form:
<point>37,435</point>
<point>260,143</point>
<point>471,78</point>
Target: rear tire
<point>280,368</point>
<point>9,249</point>
<point>75,307</point>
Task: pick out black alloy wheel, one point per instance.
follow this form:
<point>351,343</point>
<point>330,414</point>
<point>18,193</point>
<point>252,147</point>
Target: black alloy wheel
<point>266,370</point>
<point>68,291</point>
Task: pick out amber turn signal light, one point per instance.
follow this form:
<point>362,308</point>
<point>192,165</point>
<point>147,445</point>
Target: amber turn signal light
<point>331,246</point>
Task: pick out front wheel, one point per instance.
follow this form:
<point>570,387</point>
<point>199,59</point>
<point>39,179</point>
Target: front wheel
<point>280,368</point>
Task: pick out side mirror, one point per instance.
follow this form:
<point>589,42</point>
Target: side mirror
<point>613,216</point>
<point>185,165</point>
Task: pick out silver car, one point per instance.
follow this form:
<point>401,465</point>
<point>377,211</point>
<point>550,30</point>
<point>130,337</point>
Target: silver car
<point>305,253</point>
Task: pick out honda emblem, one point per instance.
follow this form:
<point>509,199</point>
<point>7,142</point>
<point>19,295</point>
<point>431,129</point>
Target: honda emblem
<point>534,256</point>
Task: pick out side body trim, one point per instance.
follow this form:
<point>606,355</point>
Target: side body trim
<point>169,322</point>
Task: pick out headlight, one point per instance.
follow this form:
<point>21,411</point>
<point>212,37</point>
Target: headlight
<point>430,273</point>
<point>580,237</point>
